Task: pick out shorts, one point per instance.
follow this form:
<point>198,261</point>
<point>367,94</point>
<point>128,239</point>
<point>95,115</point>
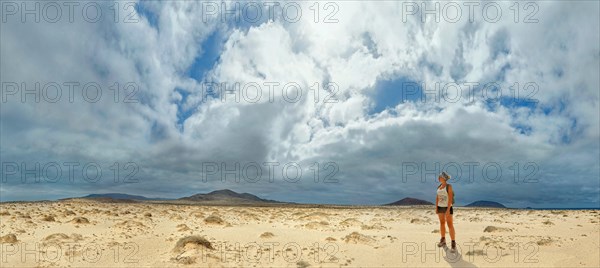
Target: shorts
<point>443,210</point>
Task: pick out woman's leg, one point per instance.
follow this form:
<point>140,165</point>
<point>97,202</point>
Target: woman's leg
<point>450,225</point>
<point>442,224</point>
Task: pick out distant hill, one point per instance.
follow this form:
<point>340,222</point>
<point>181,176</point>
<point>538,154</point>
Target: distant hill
<point>486,204</point>
<point>227,196</point>
<point>119,196</point>
<point>409,202</point>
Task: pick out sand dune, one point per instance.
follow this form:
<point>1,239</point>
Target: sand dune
<point>79,233</point>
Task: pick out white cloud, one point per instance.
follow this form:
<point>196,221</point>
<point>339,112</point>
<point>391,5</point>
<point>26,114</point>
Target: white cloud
<point>370,43</point>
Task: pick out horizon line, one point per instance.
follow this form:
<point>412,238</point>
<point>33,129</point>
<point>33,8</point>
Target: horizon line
<point>288,202</point>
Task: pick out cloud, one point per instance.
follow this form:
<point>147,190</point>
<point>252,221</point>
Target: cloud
<point>175,126</point>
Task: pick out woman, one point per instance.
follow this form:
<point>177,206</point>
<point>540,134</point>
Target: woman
<point>443,208</point>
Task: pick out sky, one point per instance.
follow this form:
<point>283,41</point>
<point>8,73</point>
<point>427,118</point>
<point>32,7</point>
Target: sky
<point>310,101</point>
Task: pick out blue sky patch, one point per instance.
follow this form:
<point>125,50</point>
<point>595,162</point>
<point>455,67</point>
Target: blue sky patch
<point>182,114</point>
<point>143,10</point>
<point>209,56</point>
<point>390,93</point>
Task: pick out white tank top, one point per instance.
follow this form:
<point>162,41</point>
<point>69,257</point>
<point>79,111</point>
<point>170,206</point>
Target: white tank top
<point>442,197</point>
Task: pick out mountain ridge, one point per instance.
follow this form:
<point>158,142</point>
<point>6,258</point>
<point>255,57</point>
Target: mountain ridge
<point>225,195</point>
<point>486,204</point>
<point>409,201</point>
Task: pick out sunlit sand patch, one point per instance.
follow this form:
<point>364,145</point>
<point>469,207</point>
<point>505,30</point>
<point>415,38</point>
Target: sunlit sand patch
<point>267,235</point>
<point>358,238</point>
<point>183,228</point>
<point>316,216</point>
<point>375,226</point>
<point>60,238</point>
<point>9,238</point>
<point>79,220</point>
<point>372,236</point>
<point>351,222</point>
<point>188,249</point>
<point>214,219</point>
<point>492,229</point>
<point>316,225</point>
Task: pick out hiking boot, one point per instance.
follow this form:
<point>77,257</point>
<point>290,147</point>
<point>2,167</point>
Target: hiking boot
<point>453,245</point>
<point>442,242</point>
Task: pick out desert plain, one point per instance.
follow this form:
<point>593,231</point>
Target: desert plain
<point>89,233</point>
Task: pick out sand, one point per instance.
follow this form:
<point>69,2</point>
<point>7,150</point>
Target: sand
<point>78,233</point>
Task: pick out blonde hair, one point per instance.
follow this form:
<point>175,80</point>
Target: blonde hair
<point>445,175</point>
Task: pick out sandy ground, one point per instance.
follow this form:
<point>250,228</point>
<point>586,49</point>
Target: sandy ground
<point>87,233</point>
